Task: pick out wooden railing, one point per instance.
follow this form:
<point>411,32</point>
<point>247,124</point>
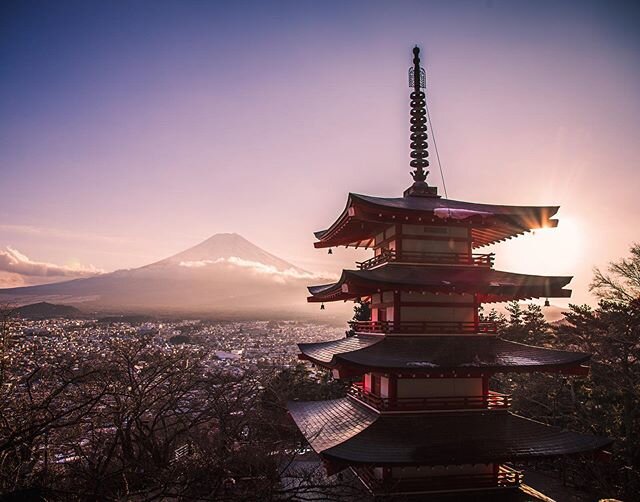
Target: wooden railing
<point>424,327</point>
<point>506,477</point>
<point>475,260</point>
<point>492,401</point>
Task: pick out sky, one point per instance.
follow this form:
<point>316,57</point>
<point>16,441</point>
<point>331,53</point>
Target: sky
<point>132,130</point>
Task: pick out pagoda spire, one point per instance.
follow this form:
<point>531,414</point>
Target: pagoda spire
<point>419,152</point>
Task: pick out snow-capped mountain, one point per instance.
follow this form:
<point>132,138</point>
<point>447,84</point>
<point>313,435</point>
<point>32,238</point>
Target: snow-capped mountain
<point>226,274</point>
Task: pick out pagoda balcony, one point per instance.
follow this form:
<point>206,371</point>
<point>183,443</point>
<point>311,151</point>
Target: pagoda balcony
<point>506,477</point>
<point>413,257</point>
<point>492,401</point>
<point>425,327</point>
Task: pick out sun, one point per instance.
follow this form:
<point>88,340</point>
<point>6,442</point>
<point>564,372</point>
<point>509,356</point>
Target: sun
<point>545,251</point>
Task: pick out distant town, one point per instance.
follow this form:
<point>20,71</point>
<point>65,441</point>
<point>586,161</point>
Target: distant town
<point>232,344</point>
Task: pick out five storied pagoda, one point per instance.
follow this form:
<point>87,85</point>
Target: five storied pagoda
<point>420,417</point>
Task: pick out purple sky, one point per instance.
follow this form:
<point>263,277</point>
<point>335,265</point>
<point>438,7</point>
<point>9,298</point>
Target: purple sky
<point>132,130</point>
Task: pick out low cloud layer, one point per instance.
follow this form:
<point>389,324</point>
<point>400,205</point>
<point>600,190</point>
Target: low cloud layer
<point>257,267</point>
<point>13,261</point>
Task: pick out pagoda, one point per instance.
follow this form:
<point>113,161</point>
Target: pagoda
<point>420,417</point>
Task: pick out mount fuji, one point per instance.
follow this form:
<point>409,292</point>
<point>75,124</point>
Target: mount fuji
<point>226,275</point>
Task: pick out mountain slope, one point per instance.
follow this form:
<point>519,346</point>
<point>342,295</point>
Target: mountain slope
<point>225,274</point>
<point>222,246</point>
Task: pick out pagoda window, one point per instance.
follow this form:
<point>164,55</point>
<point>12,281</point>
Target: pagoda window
<point>384,386</point>
<point>366,383</point>
<point>382,306</point>
<point>375,384</point>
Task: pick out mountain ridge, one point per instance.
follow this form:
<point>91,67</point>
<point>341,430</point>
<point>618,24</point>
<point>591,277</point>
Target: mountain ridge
<point>224,273</point>
<point>226,245</point>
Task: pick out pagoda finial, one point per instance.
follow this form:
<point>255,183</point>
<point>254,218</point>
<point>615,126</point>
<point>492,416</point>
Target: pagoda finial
<point>419,153</point>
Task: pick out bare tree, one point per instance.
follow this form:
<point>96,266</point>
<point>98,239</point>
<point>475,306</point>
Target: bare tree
<point>621,282</point>
<point>130,417</point>
<point>7,313</point>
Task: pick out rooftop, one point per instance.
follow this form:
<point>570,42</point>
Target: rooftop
<point>492,285</point>
<point>364,216</point>
<point>347,432</point>
<point>438,353</point>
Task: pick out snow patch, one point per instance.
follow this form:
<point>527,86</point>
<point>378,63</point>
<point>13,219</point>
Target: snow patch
<point>255,266</point>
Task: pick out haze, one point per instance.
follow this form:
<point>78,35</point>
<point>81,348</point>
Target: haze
<point>134,130</point>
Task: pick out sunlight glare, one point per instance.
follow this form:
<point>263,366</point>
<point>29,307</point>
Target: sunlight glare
<point>545,251</point>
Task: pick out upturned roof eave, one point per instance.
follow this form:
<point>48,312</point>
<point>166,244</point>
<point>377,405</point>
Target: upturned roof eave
<point>331,355</point>
<point>328,237</point>
<point>356,283</point>
<point>360,436</point>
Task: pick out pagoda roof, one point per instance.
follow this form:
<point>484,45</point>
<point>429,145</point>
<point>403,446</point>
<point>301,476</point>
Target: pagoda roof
<point>436,354</point>
<point>365,216</point>
<point>345,431</point>
<point>492,285</point>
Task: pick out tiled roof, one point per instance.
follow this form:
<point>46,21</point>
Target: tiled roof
<point>326,424</point>
<point>492,285</point>
<point>345,431</point>
<point>430,203</point>
<point>422,353</point>
<point>324,351</point>
<point>506,221</point>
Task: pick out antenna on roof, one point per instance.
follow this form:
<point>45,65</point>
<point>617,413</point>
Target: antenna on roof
<point>419,153</point>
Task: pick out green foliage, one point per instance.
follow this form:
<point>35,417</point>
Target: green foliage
<point>492,316</point>
<point>611,332</point>
<point>361,312</point>
<point>607,402</point>
<point>300,383</point>
<point>604,403</point>
<point>526,325</point>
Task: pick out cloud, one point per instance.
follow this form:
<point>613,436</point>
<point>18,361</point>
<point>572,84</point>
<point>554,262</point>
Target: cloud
<point>13,261</point>
<point>8,280</point>
<point>257,267</point>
